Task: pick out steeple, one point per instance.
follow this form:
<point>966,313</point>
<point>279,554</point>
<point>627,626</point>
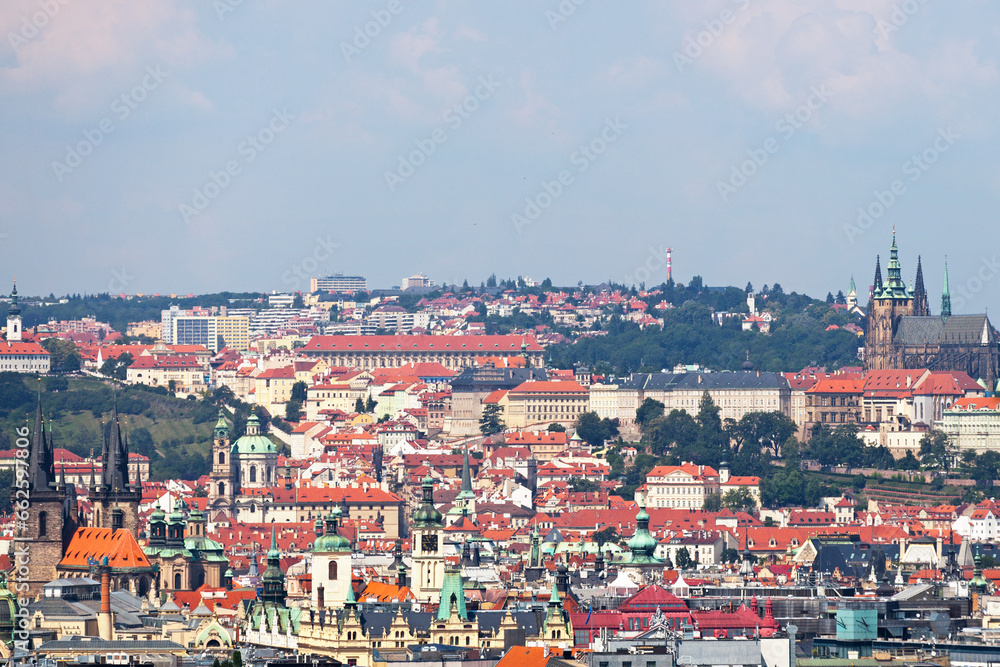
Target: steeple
<point>13,317</point>
<point>273,580</point>
<point>40,471</point>
<point>452,596</point>
<point>877,283</point>
<point>946,294</point>
<point>895,288</point>
<point>466,496</point>
<point>920,306</point>
<point>114,467</point>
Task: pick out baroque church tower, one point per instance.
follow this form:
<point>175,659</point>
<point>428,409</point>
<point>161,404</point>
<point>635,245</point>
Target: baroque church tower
<point>222,491</point>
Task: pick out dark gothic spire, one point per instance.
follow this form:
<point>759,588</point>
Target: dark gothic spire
<point>877,284</point>
<point>40,467</point>
<point>114,466</point>
<point>920,306</point>
<point>946,293</point>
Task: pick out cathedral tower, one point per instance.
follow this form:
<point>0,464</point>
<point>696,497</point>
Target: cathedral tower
<point>889,303</point>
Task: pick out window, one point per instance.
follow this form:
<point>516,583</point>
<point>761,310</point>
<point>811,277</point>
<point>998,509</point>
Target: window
<point>222,457</point>
<point>332,571</point>
<point>43,523</point>
<point>253,473</point>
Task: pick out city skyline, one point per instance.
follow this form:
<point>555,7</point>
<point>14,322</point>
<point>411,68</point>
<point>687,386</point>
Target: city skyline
<point>231,144</point>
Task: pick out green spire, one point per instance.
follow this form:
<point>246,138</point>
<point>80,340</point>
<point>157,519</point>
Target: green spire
<point>452,596</point>
<point>273,579</point>
<point>852,289</point>
<point>221,426</point>
<point>554,598</point>
<point>895,288</point>
<point>946,294</point>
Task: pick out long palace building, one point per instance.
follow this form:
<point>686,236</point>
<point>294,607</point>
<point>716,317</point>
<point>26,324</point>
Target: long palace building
<point>454,352</point>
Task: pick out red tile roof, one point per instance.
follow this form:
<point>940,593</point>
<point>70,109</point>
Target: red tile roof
<point>119,546</point>
<point>420,343</point>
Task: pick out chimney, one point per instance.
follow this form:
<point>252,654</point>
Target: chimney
<point>104,617</point>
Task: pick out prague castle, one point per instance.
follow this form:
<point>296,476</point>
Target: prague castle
<point>900,331</point>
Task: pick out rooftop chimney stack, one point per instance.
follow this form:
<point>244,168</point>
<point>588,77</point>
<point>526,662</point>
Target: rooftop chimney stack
<point>104,617</point>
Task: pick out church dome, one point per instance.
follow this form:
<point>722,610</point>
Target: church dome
<point>253,442</point>
<point>331,542</point>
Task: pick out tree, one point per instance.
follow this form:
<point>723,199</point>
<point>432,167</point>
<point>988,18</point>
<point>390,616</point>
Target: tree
<point>300,391</point>
<point>594,430</point>
<point>63,355</point>
<point>584,484</point>
<point>683,559</point>
<point>605,535</point>
<point>370,404</point>
<point>985,470</point>
<point>740,500</point>
<point>730,555</point>
<point>908,462</point>
<point>936,451</point>
<point>492,420</point>
<point>840,298</point>
<point>712,502</point>
<point>556,427</point>
<point>293,410</point>
<point>237,658</point>
<point>648,411</point>
<point>359,405</point>
<point>117,367</point>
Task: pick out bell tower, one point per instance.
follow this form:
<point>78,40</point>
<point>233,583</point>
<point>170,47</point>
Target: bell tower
<point>14,317</point>
<point>221,493</point>
<point>428,547</point>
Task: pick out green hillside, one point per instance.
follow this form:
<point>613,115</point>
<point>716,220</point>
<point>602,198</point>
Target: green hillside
<point>174,433</point>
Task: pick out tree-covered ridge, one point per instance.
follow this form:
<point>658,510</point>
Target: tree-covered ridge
<point>689,336</point>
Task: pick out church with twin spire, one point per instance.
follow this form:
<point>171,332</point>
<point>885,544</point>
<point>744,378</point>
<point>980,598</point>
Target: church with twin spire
<point>901,332</point>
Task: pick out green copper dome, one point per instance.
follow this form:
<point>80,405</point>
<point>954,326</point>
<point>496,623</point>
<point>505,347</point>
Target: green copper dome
<point>642,543</point>
<point>331,542</point>
<point>427,514</point>
<point>253,442</point>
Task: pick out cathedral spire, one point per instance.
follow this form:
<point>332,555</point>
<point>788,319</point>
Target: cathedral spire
<point>40,470</point>
<point>877,283</point>
<point>946,294</point>
<point>895,288</point>
<point>920,306</point>
<point>114,467</point>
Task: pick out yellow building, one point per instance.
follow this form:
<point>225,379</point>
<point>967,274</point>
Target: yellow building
<point>539,402</point>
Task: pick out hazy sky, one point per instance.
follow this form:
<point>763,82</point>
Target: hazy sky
<point>167,146</point>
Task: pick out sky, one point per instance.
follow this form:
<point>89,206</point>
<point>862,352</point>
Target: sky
<point>168,146</point>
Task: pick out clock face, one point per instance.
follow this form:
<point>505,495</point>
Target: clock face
<point>429,543</point>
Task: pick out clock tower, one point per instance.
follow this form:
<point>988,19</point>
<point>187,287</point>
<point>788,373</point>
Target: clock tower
<point>428,547</point>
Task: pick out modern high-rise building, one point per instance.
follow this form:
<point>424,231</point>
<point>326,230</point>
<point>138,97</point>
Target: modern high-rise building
<point>213,331</point>
<point>338,282</point>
